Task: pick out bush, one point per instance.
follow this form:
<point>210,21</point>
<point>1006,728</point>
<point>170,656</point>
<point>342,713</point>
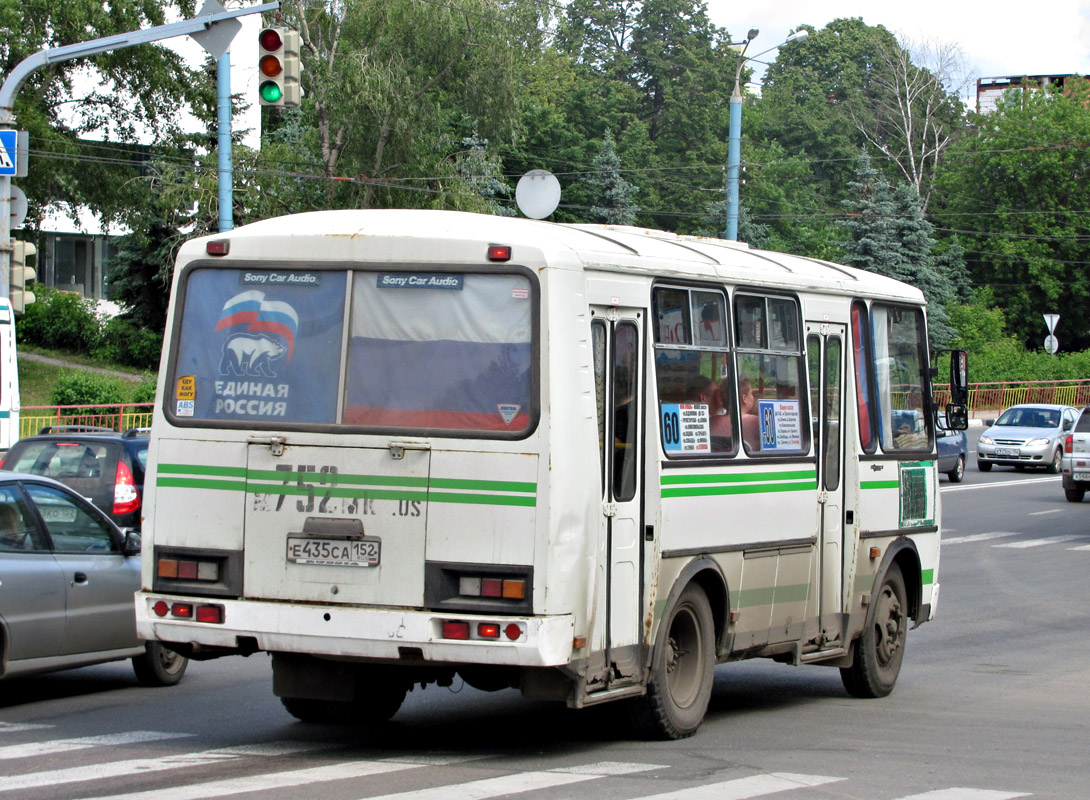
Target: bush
<point>89,389</point>
<point>145,390</point>
<point>123,342</point>
<point>60,320</point>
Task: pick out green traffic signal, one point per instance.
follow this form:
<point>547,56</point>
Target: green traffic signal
<point>270,92</point>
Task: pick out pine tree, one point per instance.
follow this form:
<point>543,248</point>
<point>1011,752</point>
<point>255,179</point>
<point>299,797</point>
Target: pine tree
<point>613,197</point>
<point>890,235</point>
<point>483,174</point>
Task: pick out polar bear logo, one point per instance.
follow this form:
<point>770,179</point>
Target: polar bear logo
<point>250,355</point>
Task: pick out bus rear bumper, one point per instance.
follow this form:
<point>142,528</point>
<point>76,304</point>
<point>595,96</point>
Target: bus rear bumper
<point>353,632</point>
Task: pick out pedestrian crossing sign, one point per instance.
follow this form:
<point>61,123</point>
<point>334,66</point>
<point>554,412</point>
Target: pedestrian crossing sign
<point>8,143</point>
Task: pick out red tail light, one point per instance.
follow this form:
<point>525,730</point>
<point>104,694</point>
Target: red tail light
<point>126,497</point>
<point>1067,447</point>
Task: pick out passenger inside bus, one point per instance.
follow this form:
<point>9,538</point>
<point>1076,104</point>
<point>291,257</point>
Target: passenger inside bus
<point>751,423</point>
<point>703,389</point>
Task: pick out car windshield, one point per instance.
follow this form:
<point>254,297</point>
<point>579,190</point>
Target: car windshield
<point>1030,418</point>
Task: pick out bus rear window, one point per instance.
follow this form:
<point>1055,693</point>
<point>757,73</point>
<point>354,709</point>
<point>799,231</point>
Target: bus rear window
<point>423,351</point>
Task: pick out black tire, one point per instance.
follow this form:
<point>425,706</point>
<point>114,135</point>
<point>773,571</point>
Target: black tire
<point>682,670</point>
<point>381,700</point>
<point>1074,495</point>
<point>957,474</point>
<point>1054,466</point>
<point>983,466</point>
<point>158,666</point>
<point>881,649</point>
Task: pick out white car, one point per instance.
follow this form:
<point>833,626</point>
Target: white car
<point>1076,459</point>
<point>1028,435</point>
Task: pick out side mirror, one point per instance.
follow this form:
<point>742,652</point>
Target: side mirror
<point>957,416</point>
<point>132,542</point>
<point>959,379</point>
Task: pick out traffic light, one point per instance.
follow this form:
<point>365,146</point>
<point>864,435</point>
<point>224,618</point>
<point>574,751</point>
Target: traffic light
<point>21,274</point>
<point>278,68</point>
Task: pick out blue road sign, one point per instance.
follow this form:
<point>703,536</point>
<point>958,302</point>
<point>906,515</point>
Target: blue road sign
<point>8,142</point>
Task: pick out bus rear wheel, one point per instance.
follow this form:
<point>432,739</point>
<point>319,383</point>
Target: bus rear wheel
<point>682,670</point>
<point>881,649</point>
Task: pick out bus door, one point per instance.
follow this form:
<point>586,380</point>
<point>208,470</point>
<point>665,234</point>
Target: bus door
<point>825,348</point>
<point>618,366</point>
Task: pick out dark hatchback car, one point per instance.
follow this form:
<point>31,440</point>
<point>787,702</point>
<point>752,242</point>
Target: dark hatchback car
<point>69,575</point>
<point>103,465</point>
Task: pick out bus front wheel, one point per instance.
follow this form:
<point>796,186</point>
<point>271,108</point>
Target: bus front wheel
<point>682,670</point>
<point>881,649</point>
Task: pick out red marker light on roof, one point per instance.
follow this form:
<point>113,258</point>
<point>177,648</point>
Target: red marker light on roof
<point>218,247</point>
<point>499,252</point>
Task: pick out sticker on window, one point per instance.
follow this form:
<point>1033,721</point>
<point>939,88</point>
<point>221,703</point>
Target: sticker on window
<point>509,411</point>
<point>685,428</point>
<point>781,424</point>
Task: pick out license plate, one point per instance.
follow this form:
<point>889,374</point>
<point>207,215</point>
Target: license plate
<point>333,552</point>
<point>1006,451</point>
<point>1081,476</point>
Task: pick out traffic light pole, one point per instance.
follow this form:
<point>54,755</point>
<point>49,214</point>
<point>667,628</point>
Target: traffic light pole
<point>207,28</point>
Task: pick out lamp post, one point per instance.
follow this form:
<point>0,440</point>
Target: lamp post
<point>734,145</point>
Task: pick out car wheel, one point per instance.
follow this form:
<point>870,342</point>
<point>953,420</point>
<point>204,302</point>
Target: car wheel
<point>158,666</point>
<point>1054,466</point>
<point>983,466</point>
<point>957,474</point>
<point>879,652</point>
<point>1074,495</point>
<point>682,670</point>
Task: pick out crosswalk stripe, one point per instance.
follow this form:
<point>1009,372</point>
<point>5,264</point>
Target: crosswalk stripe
<point>964,794</point>
<point>1080,547</point>
<point>283,780</point>
<point>520,782</point>
<point>66,745</point>
<point>1026,543</point>
<point>977,537</point>
<point>143,766</point>
<point>742,788</point>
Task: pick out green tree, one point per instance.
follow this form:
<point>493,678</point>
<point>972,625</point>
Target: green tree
<point>614,197</point>
<point>112,98</point>
<point>1015,190</point>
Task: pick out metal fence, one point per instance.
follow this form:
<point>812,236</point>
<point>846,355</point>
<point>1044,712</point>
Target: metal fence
<point>985,400</point>
<point>118,417</point>
<point>989,399</point>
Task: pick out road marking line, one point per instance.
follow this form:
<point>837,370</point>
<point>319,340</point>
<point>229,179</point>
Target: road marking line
<point>283,780</point>
<point>142,766</point>
<point>742,788</point>
<point>1080,547</point>
<point>963,794</point>
<point>978,537</point>
<point>1039,542</point>
<point>67,745</point>
<point>15,727</point>
<point>1050,511</point>
<point>520,782</point>
<point>997,484</point>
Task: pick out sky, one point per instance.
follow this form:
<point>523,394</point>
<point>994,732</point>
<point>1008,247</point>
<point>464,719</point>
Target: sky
<point>1002,37</point>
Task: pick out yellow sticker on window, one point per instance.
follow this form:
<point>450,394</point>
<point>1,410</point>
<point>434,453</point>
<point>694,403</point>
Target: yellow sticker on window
<point>187,388</point>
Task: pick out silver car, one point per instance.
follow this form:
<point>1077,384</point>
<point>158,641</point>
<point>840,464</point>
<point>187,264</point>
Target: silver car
<point>1028,435</point>
<point>67,580</point>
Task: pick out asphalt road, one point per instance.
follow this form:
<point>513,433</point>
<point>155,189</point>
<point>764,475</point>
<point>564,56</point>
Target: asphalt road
<point>991,703</point>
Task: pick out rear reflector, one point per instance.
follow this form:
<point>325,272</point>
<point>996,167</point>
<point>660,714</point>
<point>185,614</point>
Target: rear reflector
<point>213,614</point>
<point>455,630</point>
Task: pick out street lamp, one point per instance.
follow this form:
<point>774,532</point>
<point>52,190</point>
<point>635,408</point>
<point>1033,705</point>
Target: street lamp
<point>734,145</point>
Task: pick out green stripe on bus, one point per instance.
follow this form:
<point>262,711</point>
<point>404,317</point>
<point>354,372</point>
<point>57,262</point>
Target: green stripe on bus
<point>707,491</point>
<point>332,478</point>
<point>769,595</point>
<point>482,499</point>
<point>879,484</point>
<point>488,486</point>
<point>201,469</point>
<point>738,477</point>
<point>201,483</point>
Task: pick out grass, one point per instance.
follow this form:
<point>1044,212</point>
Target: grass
<point>37,379</point>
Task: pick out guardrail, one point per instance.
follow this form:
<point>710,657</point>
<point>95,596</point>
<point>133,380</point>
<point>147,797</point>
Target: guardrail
<point>989,399</point>
<point>118,417</point>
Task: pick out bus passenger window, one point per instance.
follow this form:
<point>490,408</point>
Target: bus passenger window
<point>773,409</point>
<point>692,372</point>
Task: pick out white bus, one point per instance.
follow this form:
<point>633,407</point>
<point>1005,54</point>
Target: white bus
<point>9,378</point>
<point>588,462</point>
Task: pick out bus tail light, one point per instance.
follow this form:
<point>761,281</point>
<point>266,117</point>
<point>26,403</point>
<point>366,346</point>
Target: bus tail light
<point>466,631</point>
<point>188,569</point>
<point>455,629</point>
<point>201,612</point>
<point>506,588</point>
